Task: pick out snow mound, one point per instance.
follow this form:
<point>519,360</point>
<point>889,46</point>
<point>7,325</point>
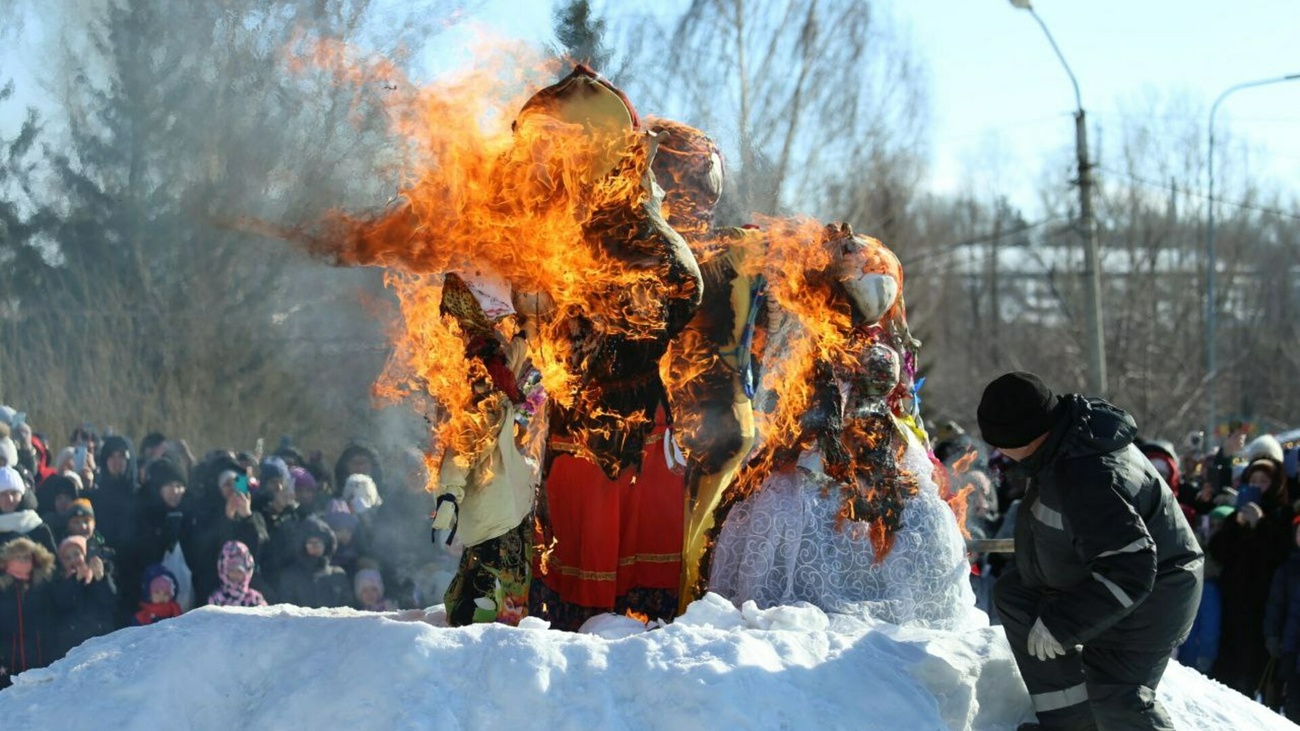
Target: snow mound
<point>790,667</point>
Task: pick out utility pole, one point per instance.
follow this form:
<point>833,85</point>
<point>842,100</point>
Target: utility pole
<point>1091,264</point>
<point>1095,335</point>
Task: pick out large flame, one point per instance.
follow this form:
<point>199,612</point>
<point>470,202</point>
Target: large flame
<point>531,196</point>
<point>807,266</point>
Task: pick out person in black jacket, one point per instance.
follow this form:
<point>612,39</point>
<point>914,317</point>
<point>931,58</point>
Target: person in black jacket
<point>1108,572</point>
<point>313,581</point>
<point>116,492</point>
<point>26,612</point>
<point>164,521</point>
<point>226,515</point>
<point>85,597</point>
<point>1253,543</point>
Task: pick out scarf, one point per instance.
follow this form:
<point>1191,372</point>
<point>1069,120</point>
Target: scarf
<point>151,612</point>
<point>19,521</point>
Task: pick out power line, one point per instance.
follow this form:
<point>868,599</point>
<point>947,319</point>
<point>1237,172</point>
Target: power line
<point>1197,194</point>
<point>953,248</point>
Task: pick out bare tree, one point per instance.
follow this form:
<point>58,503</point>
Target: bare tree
<point>149,310</point>
<point>813,96</point>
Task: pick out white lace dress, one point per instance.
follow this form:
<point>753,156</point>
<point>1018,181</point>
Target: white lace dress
<point>780,546</point>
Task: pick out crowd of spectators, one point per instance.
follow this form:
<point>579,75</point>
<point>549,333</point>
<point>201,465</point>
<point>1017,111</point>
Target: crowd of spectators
<point>101,535</point>
<point>1242,499</point>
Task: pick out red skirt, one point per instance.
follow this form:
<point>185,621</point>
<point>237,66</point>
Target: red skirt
<point>612,536</point>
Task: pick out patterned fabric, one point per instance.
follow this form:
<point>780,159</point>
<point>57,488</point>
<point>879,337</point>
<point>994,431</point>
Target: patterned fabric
<point>250,598</point>
<point>785,544</point>
<point>236,593</point>
<point>492,582</point>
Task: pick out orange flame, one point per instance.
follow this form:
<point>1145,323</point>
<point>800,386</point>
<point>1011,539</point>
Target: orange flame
<point>957,501</point>
<point>534,199</point>
<point>805,263</point>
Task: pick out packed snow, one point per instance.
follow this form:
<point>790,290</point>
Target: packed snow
<point>716,667</point>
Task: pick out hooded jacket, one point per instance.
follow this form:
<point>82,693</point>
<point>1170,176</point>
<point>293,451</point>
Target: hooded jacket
<point>26,612</point>
<point>312,581</point>
<point>1101,532</point>
<point>149,610</point>
<point>82,610</point>
<point>236,593</point>
<point>160,527</point>
<point>115,496</point>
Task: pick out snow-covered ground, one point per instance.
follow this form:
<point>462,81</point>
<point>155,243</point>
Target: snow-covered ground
<point>717,667</point>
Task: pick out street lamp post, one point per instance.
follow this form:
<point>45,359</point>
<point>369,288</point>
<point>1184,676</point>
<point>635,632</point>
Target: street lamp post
<point>1088,228</point>
<point>1210,308</point>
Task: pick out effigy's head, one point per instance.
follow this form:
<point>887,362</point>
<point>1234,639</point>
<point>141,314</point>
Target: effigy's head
<point>577,128</point>
<point>869,272</point>
<point>688,167</point>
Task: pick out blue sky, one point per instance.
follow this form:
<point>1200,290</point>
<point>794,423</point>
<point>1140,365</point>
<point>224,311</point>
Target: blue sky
<point>1000,102</point>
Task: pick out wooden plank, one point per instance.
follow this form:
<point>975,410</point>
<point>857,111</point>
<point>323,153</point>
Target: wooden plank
<point>991,545</point>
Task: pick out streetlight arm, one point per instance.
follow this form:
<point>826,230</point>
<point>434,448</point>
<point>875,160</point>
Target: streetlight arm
<point>1214,108</point>
<point>1211,259</point>
<point>1078,99</point>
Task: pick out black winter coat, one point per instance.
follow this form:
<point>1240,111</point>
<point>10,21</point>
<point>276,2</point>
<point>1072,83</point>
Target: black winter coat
<point>1282,614</point>
<point>27,623</point>
<point>1248,558</point>
<point>115,501</point>
<point>82,611</point>
<point>1103,534</point>
<point>314,582</point>
<point>211,531</point>
<point>281,550</point>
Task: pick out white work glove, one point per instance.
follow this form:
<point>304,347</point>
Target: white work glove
<point>1042,644</point>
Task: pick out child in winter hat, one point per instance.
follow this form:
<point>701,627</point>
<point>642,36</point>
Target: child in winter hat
<point>12,481</point>
<point>369,588</point>
<point>235,567</point>
<point>158,596</point>
<point>346,527</point>
<point>79,518</point>
<point>305,487</point>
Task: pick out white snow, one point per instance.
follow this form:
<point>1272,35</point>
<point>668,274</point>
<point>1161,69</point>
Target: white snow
<point>717,667</point>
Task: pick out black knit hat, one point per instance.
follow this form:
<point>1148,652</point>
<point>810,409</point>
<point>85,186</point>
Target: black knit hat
<point>1016,409</point>
<point>163,472</point>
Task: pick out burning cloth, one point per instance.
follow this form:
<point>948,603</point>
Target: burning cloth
<point>841,504</point>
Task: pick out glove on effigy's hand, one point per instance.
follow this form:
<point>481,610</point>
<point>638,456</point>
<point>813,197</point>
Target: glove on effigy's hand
<point>1042,644</point>
<point>448,507</point>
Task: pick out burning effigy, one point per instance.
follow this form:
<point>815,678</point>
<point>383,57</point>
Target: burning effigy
<point>841,504</point>
<point>601,441</point>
